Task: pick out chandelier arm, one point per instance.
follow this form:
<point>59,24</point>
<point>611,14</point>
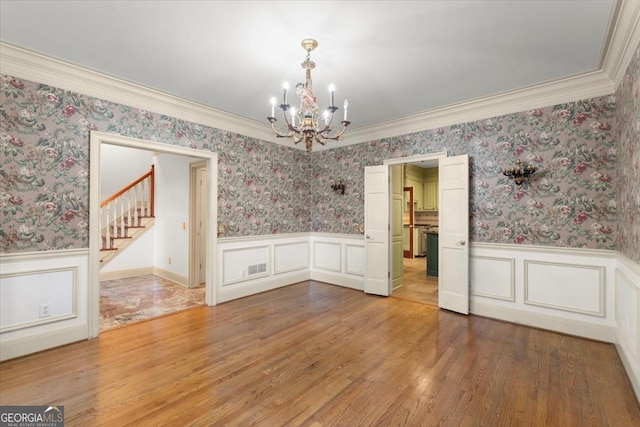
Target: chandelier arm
<point>278,131</point>
<point>339,133</point>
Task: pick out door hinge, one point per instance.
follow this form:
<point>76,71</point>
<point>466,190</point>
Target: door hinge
<point>388,275</point>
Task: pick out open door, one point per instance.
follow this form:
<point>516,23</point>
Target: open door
<point>453,228</point>
<point>377,278</point>
<point>397,218</point>
<point>198,224</point>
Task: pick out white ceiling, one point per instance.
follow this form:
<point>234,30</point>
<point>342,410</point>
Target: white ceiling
<point>391,59</point>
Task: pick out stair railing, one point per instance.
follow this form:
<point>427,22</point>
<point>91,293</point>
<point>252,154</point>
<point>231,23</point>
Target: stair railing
<point>124,208</point>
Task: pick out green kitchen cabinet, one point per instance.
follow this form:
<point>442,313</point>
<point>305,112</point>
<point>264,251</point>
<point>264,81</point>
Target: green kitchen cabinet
<point>432,254</point>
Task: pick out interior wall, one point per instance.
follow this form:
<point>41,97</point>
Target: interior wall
<point>120,166</point>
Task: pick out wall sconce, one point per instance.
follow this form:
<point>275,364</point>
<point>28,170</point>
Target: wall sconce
<point>519,173</point>
<point>338,186</point>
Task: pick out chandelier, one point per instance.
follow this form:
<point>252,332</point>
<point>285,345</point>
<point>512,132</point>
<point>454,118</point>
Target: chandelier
<point>307,123</point>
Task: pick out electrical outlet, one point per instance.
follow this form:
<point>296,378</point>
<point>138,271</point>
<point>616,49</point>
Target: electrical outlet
<point>45,309</point>
<point>244,272</point>
<point>169,260</point>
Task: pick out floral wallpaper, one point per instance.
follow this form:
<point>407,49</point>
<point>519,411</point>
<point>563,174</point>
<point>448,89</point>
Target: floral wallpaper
<point>570,201</point>
<point>266,188</point>
<point>44,170</point>
<point>628,161</point>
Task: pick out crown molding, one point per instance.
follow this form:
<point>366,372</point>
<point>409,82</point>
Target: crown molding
<point>617,53</point>
<point>624,39</point>
<point>569,89</point>
<point>30,65</point>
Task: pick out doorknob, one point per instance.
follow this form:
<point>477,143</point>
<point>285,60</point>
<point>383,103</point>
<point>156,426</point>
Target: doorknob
<point>462,242</point>
<point>368,237</point>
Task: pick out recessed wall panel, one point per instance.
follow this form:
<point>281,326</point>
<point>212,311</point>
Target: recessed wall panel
<point>327,256</point>
<point>291,257</point>
<point>493,277</point>
<point>568,287</point>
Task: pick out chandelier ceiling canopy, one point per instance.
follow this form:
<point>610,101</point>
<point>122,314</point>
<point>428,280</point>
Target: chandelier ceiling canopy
<point>306,123</point>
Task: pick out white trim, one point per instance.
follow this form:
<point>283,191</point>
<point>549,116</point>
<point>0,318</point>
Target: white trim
<point>338,246</point>
<point>170,275</point>
<point>95,140</point>
<point>276,271</point>
<point>51,319</point>
<point>415,159</point>
<point>564,325</point>
<point>43,341</point>
<point>601,281</point>
<point>123,274</point>
<point>602,253</point>
<point>268,284</point>
<point>623,40</point>
<point>40,255</point>
<point>512,278</point>
<point>41,68</point>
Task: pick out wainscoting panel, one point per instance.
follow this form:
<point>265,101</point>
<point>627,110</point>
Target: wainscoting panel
<point>493,277</point>
<point>57,279</point>
<point>354,259</point>
<point>249,265</point>
<point>328,256</point>
<point>290,257</point>
<point>562,289</point>
<point>627,297</point>
<point>237,263</point>
<point>568,287</point>
<point>33,298</point>
<point>338,259</point>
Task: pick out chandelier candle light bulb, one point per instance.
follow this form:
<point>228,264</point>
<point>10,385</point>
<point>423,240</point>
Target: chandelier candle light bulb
<point>305,122</point>
<point>285,88</point>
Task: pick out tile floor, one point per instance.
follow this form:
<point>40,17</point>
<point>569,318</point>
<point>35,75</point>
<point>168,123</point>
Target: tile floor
<point>125,301</point>
<point>416,285</point>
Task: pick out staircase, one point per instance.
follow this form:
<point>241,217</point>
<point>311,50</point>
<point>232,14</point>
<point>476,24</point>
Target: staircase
<point>126,215</point>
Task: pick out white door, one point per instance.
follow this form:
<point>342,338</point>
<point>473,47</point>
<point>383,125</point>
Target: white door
<point>453,234</point>
<point>201,226</point>
<point>377,278</point>
<point>397,253</point>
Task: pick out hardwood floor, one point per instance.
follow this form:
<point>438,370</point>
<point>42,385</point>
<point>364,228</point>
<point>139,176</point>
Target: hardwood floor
<point>416,285</point>
<point>320,355</point>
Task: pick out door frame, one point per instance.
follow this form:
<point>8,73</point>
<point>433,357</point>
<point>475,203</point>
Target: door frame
<point>409,253</point>
<point>96,139</point>
<point>195,255</point>
<point>432,158</point>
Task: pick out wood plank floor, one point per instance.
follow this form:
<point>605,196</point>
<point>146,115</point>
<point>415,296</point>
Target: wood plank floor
<point>320,355</point>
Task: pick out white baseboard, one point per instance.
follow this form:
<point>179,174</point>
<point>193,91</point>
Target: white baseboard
<point>544,321</point>
<point>169,275</point>
<point>123,274</point>
<point>339,280</point>
<point>42,341</point>
<point>630,366</point>
<point>273,282</point>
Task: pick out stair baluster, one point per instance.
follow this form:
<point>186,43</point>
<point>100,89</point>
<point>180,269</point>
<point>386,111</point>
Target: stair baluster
<point>125,209</point>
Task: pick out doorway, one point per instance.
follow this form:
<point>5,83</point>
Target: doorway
<point>453,228</point>
<point>210,160</point>
<point>418,279</point>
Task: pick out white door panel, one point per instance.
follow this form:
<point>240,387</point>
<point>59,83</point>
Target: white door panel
<point>453,268</point>
<point>376,226</point>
